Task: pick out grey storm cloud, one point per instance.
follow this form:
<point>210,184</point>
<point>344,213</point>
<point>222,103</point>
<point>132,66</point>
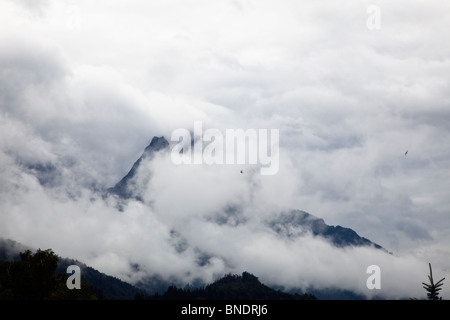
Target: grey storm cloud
<point>84,87</point>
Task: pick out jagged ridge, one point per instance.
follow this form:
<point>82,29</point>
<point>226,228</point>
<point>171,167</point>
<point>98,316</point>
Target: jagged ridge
<point>124,188</point>
<point>297,223</point>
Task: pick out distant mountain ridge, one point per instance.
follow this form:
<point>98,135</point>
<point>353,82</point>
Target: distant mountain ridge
<point>297,223</point>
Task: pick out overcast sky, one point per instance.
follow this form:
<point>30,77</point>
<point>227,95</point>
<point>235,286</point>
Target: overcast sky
<point>85,85</point>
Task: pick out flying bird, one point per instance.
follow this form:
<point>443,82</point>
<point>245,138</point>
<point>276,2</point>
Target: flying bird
<point>242,171</point>
<point>406,152</point>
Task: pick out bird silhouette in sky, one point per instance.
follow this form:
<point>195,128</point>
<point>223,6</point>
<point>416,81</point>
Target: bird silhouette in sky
<point>406,152</point>
<point>242,171</point>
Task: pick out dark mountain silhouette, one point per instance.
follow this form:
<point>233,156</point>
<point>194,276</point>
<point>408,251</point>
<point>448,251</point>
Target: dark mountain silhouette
<point>231,287</point>
<point>297,223</point>
<point>126,188</point>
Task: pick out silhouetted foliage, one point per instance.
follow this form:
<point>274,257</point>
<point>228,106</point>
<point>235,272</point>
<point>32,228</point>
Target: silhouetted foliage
<point>433,288</point>
<point>34,277</point>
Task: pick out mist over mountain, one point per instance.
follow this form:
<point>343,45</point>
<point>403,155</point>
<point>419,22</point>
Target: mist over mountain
<point>126,188</point>
<point>297,223</point>
<point>234,222</point>
<point>97,285</point>
<point>287,224</point>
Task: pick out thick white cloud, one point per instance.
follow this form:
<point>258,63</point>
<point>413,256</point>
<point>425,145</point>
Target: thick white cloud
<point>85,85</point>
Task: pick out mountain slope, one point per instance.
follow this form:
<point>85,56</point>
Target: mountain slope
<point>297,223</point>
<point>126,188</point>
<point>103,285</point>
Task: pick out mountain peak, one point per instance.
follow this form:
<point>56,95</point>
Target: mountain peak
<point>297,223</point>
<point>157,144</point>
<point>124,188</point>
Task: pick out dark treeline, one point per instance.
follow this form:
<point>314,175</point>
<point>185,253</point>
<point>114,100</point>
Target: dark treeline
<point>34,277</point>
<point>230,287</point>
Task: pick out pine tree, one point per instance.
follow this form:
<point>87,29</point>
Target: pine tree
<point>433,288</point>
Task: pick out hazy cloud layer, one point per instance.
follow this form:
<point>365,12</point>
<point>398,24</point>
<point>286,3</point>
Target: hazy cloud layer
<point>85,86</point>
